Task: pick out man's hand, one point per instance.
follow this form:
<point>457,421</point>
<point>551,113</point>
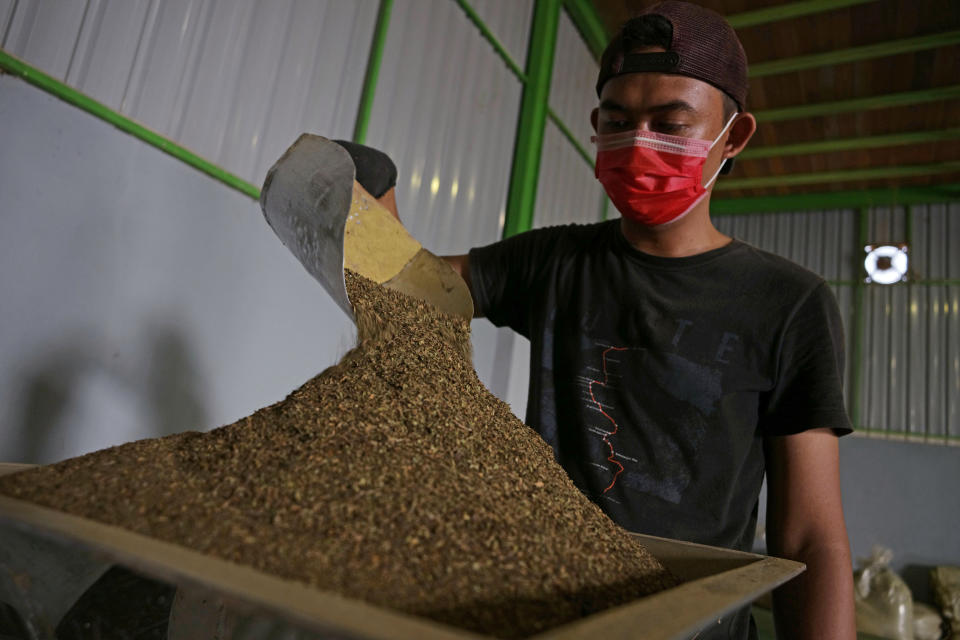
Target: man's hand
<point>805,523</point>
<point>461,264</point>
<point>375,172</point>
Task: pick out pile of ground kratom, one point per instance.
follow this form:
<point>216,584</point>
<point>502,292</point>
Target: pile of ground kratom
<point>394,477</point>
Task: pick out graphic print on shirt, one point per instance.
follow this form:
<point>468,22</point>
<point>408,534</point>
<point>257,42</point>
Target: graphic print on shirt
<point>646,414</point>
<point>613,426</point>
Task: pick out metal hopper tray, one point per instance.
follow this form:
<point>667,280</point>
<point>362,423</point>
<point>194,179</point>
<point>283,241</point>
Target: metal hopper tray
<point>48,559</point>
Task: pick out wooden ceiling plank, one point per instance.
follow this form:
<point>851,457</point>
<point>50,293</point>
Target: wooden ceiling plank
<point>858,104</point>
<point>788,11</point>
<point>846,144</point>
<point>853,54</point>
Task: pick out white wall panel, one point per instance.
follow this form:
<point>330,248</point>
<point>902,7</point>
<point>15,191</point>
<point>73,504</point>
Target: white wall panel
<point>509,22</point>
<point>6,15</point>
<point>45,33</point>
<point>235,81</point>
<point>446,111</point>
<point>140,297</point>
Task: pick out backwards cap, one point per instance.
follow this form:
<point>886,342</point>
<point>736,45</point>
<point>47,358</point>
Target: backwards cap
<point>704,46</point>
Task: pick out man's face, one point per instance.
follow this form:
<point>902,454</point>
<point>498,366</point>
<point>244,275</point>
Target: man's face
<point>662,103</point>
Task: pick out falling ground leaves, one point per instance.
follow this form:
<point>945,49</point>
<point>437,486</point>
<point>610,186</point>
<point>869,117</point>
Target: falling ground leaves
<point>394,477</point>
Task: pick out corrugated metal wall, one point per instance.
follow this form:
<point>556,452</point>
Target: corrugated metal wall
<point>906,381</point>
<point>235,82</point>
<point>446,109</point>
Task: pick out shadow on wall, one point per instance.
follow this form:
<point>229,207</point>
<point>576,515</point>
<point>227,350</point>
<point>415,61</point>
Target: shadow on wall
<point>82,397</point>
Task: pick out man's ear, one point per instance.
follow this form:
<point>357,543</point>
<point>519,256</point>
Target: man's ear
<point>741,131</point>
<point>593,118</point>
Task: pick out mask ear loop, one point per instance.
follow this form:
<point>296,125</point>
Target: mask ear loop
<point>715,140</point>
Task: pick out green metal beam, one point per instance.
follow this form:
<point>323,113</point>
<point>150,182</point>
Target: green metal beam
<point>850,144</point>
<point>853,54</point>
<point>39,79</point>
<point>859,318</point>
<point>373,71</point>
<point>835,200</point>
<point>787,11</point>
<point>571,138</point>
<point>905,98</point>
<point>522,193</point>
<point>936,282</point>
<point>519,73</point>
<point>824,177</point>
<point>587,21</point>
<point>926,438</point>
<point>478,22</point>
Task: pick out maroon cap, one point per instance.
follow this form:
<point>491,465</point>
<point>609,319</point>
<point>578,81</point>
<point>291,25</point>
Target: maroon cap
<point>703,46</point>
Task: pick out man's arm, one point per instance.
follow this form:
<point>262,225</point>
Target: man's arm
<point>805,523</point>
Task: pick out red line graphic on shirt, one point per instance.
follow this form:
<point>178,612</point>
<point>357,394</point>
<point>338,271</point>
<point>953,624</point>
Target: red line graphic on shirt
<point>607,434</point>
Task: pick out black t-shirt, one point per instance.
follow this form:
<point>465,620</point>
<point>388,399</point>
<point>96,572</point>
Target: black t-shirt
<point>655,379</point>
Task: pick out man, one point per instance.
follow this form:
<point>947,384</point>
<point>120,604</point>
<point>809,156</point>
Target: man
<point>672,366</point>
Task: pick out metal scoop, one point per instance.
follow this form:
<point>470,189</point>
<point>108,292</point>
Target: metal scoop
<point>313,203</point>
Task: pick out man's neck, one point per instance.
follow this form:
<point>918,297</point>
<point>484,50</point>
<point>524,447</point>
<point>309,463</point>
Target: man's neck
<point>689,236</point>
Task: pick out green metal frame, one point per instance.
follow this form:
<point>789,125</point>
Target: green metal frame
<point>946,438</point>
<point>853,54</point>
<point>825,177</point>
<point>859,320</point>
<point>587,21</point>
<point>849,144</point>
<point>521,76</point>
<point>788,11</point>
<point>933,282</point>
<point>525,171</point>
<point>594,33</point>
<point>902,99</point>
<point>373,71</point>
<point>571,138</point>
<point>51,85</point>
<point>485,31</point>
<point>836,200</point>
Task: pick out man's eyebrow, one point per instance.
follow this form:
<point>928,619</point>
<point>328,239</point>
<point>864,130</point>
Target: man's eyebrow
<point>610,105</point>
<point>673,105</point>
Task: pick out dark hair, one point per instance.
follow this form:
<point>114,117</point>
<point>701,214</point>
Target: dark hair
<point>653,30</point>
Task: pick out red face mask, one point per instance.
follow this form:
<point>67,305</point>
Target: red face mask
<point>653,178</point>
